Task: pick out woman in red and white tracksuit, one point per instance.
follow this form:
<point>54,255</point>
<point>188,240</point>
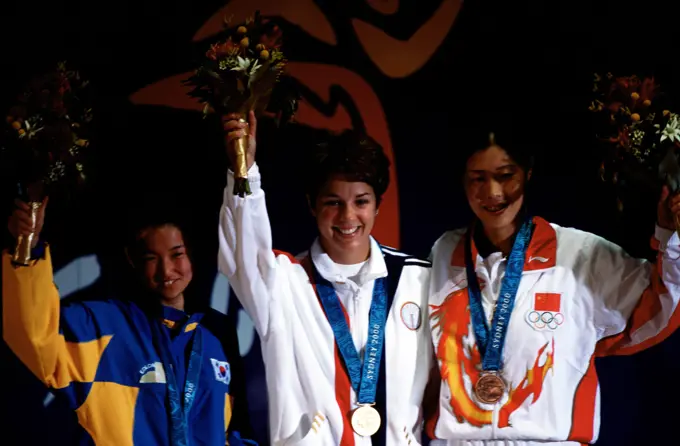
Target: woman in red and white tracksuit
<point>347,304</point>
<point>520,307</point>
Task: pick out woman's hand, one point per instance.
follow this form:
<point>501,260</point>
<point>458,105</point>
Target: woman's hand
<point>235,129</point>
<point>668,210</point>
<point>20,222</point>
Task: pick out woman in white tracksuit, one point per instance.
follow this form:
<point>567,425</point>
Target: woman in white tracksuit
<point>516,343</point>
<point>349,304</point>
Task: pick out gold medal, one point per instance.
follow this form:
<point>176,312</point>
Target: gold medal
<point>365,421</point>
<point>489,388</point>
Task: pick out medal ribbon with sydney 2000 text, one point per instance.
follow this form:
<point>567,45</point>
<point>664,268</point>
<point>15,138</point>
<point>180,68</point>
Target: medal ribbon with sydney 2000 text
<point>490,387</point>
<point>179,401</point>
<point>364,378</point>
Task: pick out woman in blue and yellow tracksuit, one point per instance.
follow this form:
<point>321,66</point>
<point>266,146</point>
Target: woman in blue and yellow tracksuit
<point>137,372</point>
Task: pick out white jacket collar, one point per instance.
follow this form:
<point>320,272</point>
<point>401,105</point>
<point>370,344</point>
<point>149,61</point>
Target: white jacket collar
<point>374,268</point>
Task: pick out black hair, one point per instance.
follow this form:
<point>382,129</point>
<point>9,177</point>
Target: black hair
<point>151,216</point>
<point>152,211</point>
<point>352,155</point>
<point>505,130</point>
<point>520,137</point>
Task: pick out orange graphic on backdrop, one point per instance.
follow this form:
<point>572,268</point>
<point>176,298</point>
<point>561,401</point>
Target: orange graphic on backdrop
<point>386,7</point>
<point>303,13</point>
<point>401,58</point>
<point>460,358</point>
<point>321,79</point>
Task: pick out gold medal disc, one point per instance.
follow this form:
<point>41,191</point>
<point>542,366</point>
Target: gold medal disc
<point>365,421</point>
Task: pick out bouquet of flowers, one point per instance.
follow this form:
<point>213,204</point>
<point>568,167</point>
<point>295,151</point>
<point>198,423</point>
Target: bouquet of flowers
<point>640,135</point>
<point>242,73</point>
<point>44,140</point>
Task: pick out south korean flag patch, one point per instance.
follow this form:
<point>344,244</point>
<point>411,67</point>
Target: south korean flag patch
<point>222,371</point>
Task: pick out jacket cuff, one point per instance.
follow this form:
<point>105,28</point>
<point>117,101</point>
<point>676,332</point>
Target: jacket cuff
<point>663,238</point>
<point>37,253</point>
<point>253,178</point>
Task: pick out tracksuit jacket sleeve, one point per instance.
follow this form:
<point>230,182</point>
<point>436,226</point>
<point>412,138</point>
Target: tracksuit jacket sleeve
<point>239,426</point>
<point>245,253</point>
<point>635,301</point>
<point>59,345</point>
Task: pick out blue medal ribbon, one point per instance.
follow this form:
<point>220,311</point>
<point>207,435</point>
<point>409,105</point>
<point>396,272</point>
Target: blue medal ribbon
<point>490,342</point>
<point>364,378</point>
<point>180,404</point>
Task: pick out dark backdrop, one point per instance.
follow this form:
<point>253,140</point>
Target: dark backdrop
<point>533,57</point>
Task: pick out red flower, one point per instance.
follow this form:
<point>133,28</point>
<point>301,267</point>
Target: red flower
<point>272,39</point>
<point>64,85</point>
<point>647,89</point>
<point>627,82</point>
<point>614,106</point>
<point>218,50</point>
<point>624,137</point>
<point>58,106</point>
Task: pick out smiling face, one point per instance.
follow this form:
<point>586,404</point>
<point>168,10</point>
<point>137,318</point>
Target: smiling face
<point>163,264</point>
<point>494,186</point>
<point>345,213</point>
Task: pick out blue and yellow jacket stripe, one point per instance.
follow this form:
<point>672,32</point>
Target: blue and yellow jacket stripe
<point>101,357</point>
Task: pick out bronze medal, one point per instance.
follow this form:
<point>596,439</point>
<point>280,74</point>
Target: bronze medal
<point>489,388</point>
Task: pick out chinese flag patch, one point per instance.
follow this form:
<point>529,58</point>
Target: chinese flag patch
<point>547,302</point>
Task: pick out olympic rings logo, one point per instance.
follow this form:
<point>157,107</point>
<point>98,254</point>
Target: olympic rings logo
<point>543,319</point>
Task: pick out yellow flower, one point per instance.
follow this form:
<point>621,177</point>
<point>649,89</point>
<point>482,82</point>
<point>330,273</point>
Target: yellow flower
<point>16,125</point>
<point>245,42</point>
<point>635,96</point>
<point>595,106</point>
<point>635,117</point>
<point>647,103</point>
<point>264,54</point>
<point>241,29</point>
<point>666,112</point>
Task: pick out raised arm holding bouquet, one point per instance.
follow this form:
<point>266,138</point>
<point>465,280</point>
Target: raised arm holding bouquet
<point>43,140</point>
<point>640,133</point>
<point>245,73</point>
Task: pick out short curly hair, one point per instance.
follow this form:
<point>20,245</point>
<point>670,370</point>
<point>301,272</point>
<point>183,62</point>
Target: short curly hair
<point>351,155</point>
